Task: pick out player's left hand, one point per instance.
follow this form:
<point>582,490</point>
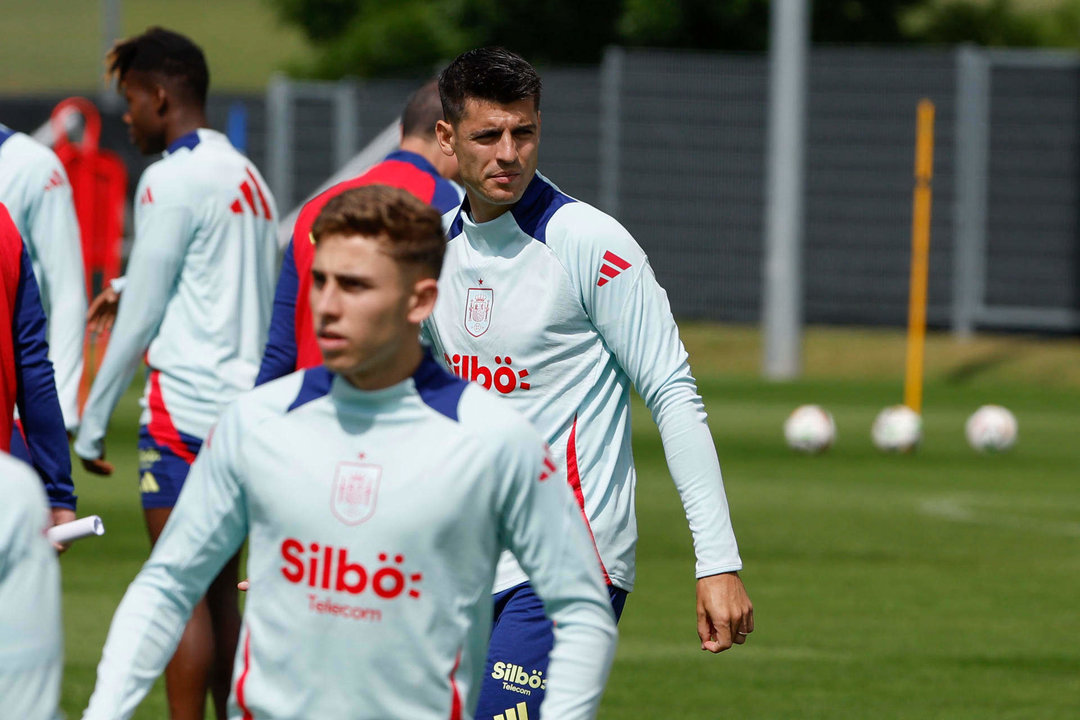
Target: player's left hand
<point>59,517</point>
<point>97,466</point>
<point>102,313</point>
<point>725,615</point>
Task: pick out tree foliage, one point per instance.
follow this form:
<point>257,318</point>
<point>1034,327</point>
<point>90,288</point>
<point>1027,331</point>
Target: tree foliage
<point>381,37</point>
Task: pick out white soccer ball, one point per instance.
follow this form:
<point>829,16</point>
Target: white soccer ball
<point>991,428</point>
<point>809,429</point>
<point>897,428</point>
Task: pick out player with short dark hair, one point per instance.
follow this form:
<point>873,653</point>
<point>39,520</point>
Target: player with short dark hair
<point>418,166</point>
<point>552,305</point>
<point>168,58</point>
<point>377,491</point>
<point>197,301</point>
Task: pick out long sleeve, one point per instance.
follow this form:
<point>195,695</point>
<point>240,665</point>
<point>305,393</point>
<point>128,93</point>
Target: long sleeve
<point>631,312</point>
<point>206,528</point>
<point>162,235</point>
<point>543,527</point>
<point>54,231</point>
<point>39,409</point>
<point>279,357</point>
<point>31,637</point>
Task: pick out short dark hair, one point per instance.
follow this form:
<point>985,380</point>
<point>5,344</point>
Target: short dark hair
<point>422,110</point>
<point>492,73</point>
<point>410,230</point>
<point>165,53</point>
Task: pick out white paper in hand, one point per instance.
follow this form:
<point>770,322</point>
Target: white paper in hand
<point>76,530</point>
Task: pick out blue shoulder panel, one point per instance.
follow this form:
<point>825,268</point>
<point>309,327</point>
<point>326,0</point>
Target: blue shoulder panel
<point>316,384</point>
<point>5,133</point>
<point>438,388</point>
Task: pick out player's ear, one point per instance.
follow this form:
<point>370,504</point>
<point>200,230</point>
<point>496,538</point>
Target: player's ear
<point>161,99</point>
<point>444,133</point>
<point>422,302</point>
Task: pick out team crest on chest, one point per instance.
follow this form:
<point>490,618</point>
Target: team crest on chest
<point>478,310</point>
<point>354,492</point>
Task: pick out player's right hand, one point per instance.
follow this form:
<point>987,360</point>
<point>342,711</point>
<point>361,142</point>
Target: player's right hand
<point>102,312</point>
<point>243,585</point>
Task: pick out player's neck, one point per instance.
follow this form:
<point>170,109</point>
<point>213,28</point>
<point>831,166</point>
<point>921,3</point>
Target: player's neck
<point>183,124</point>
<point>388,372</point>
<point>482,211</point>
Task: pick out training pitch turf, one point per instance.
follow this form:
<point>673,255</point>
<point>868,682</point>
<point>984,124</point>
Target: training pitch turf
<point>942,584</point>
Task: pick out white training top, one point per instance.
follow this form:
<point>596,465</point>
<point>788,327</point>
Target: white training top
<point>31,640</point>
<point>554,307</point>
<point>200,285</point>
<point>375,521</point>
<point>36,191</point>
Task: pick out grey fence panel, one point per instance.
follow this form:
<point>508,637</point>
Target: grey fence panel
<point>860,177</point>
<point>570,128</point>
<point>691,182</point>
<point>1033,219</point>
<point>381,102</point>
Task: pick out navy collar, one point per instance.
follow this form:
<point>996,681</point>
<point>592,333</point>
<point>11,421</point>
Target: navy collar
<point>188,141</point>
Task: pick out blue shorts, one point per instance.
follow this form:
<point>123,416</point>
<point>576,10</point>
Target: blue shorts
<point>521,638</point>
<point>164,463</point>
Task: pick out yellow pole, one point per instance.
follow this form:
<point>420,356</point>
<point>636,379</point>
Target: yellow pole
<point>920,255</point>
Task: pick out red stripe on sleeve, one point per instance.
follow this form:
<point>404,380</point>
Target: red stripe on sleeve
<point>245,188</point>
<point>574,479</point>
<point>262,198</point>
<point>616,260</point>
<point>455,698</point>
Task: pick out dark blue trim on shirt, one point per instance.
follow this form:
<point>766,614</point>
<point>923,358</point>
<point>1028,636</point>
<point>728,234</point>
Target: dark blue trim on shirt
<point>458,226</point>
<point>35,394</point>
<point>531,213</point>
<point>5,134</point>
<point>316,384</point>
<point>445,198</point>
<point>536,206</point>
<point>188,141</point>
<point>440,390</point>
<point>279,357</point>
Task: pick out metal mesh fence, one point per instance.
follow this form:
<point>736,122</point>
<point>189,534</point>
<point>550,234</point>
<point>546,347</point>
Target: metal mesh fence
<point>859,175</point>
<point>1033,218</point>
<point>690,182</point>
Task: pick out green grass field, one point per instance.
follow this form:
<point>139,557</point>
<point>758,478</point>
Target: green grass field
<point>942,584</point>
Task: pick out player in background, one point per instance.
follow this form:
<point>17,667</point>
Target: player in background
<point>376,491</point>
<point>31,641</point>
<point>419,166</point>
<point>26,375</point>
<point>36,190</point>
<point>552,305</point>
<point>200,283</point>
